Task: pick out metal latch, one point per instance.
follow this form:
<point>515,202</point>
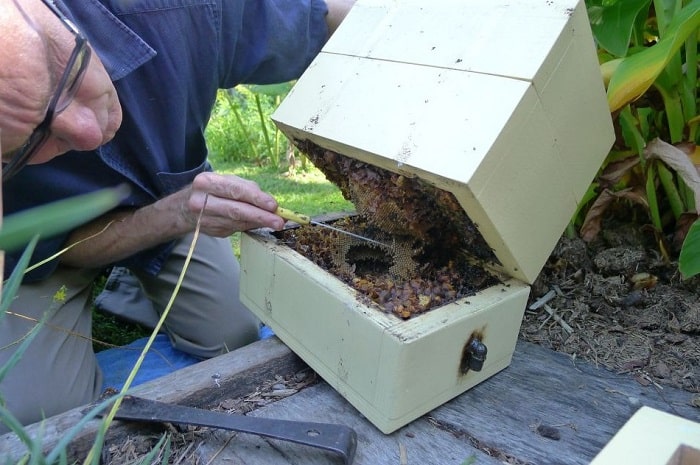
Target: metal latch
<point>473,355</point>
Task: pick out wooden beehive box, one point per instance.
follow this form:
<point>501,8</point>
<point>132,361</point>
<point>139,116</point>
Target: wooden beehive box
<point>499,103</point>
<point>653,437</point>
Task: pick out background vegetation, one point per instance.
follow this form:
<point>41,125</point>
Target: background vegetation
<point>648,51</point>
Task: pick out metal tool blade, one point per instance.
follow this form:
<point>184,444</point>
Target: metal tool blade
<point>356,236</point>
<point>305,219</point>
<point>339,439</point>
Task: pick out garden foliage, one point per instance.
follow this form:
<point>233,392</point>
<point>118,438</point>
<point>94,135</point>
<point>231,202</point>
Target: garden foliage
<point>649,59</point>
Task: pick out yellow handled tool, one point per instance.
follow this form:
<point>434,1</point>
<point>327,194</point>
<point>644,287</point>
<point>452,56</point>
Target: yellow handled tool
<point>290,215</point>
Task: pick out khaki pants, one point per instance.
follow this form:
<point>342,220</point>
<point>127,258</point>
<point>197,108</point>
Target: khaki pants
<point>59,370</point>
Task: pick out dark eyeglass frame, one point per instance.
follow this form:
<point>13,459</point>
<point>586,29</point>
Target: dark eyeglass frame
<point>65,92</point>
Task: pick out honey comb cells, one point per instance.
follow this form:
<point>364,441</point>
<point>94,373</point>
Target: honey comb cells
<point>430,243</point>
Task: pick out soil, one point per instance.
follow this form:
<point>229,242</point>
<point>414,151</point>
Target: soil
<point>617,303</point>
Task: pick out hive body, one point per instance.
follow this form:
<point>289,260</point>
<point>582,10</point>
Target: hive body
<point>498,103</point>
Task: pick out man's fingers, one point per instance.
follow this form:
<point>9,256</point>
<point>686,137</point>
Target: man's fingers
<point>234,188</point>
<point>226,216</point>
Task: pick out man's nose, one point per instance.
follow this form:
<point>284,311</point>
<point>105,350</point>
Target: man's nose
<point>78,128</point>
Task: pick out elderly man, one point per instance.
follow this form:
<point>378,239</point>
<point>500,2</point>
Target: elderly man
<point>124,89</point>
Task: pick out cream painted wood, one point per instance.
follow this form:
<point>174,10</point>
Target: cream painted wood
<point>391,370</point>
<point>500,103</point>
<point>653,437</point>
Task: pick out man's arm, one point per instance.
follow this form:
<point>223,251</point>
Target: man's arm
<point>229,204</point>
<point>337,10</point>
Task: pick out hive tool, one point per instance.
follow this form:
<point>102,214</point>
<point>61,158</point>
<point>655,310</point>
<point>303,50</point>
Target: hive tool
<point>305,219</point>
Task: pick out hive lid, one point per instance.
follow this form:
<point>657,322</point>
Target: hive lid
<point>500,103</point>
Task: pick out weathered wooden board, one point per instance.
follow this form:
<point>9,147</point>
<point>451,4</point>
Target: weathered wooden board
<point>587,405</point>
<point>498,418</point>
<point>201,385</point>
<point>419,442</point>
<point>584,404</point>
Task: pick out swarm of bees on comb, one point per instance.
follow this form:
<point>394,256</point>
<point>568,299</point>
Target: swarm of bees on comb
<point>430,244</point>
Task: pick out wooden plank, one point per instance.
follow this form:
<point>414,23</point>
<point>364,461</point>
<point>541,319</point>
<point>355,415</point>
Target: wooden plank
<point>493,422</point>
<point>200,385</point>
<point>584,404</point>
<point>417,443</point>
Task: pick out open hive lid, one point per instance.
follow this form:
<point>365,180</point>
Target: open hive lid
<point>500,103</point>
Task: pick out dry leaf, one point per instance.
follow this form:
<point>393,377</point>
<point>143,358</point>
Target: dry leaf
<point>592,223</point>
<point>614,172</point>
<point>679,161</point>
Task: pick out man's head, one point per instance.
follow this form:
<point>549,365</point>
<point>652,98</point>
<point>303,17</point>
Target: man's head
<point>38,45</point>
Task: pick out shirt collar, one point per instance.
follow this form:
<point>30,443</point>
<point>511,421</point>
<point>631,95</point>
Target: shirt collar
<point>120,49</point>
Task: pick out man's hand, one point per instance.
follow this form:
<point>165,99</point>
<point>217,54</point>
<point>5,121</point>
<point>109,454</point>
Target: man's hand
<point>227,204</point>
<point>230,204</point>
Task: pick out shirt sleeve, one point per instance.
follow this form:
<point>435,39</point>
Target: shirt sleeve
<point>269,41</point>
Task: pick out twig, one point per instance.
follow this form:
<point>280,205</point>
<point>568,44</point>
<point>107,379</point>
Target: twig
<point>221,449</point>
<point>543,300</point>
<point>558,319</point>
<point>403,454</point>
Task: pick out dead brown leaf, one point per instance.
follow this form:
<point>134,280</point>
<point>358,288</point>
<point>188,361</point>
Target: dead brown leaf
<point>679,161</point>
<point>593,221</point>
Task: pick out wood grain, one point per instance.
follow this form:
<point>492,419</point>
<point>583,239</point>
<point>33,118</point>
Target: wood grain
<point>200,385</point>
<point>493,422</point>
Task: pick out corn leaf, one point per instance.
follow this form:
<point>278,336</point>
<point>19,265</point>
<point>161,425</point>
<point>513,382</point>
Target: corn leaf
<point>612,22</point>
<point>637,73</point>
<point>46,220</point>
<point>689,259</point>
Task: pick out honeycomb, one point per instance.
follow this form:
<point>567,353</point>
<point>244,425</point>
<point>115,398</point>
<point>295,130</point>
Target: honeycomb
<point>428,243</point>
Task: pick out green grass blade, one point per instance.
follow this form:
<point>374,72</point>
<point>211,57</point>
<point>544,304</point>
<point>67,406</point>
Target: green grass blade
<point>26,340</point>
<point>9,420</point>
<point>12,284</point>
<point>68,436</point>
<point>241,124</point>
<point>46,220</point>
<point>689,259</point>
<point>263,127</point>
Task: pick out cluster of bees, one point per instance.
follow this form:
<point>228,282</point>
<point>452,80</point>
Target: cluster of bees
<point>425,232</point>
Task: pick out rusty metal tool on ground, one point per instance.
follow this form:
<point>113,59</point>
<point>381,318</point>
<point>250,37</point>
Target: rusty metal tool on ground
<point>305,219</point>
<point>339,439</point>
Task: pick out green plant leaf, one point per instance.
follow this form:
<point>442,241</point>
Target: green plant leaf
<point>636,73</point>
<point>49,219</point>
<point>612,22</point>
<point>689,259</point>
<point>629,126</point>
<point>15,280</point>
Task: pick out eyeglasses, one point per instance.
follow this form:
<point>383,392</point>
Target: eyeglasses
<point>65,92</point>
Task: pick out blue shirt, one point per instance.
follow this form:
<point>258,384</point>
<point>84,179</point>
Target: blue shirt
<point>167,59</point>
